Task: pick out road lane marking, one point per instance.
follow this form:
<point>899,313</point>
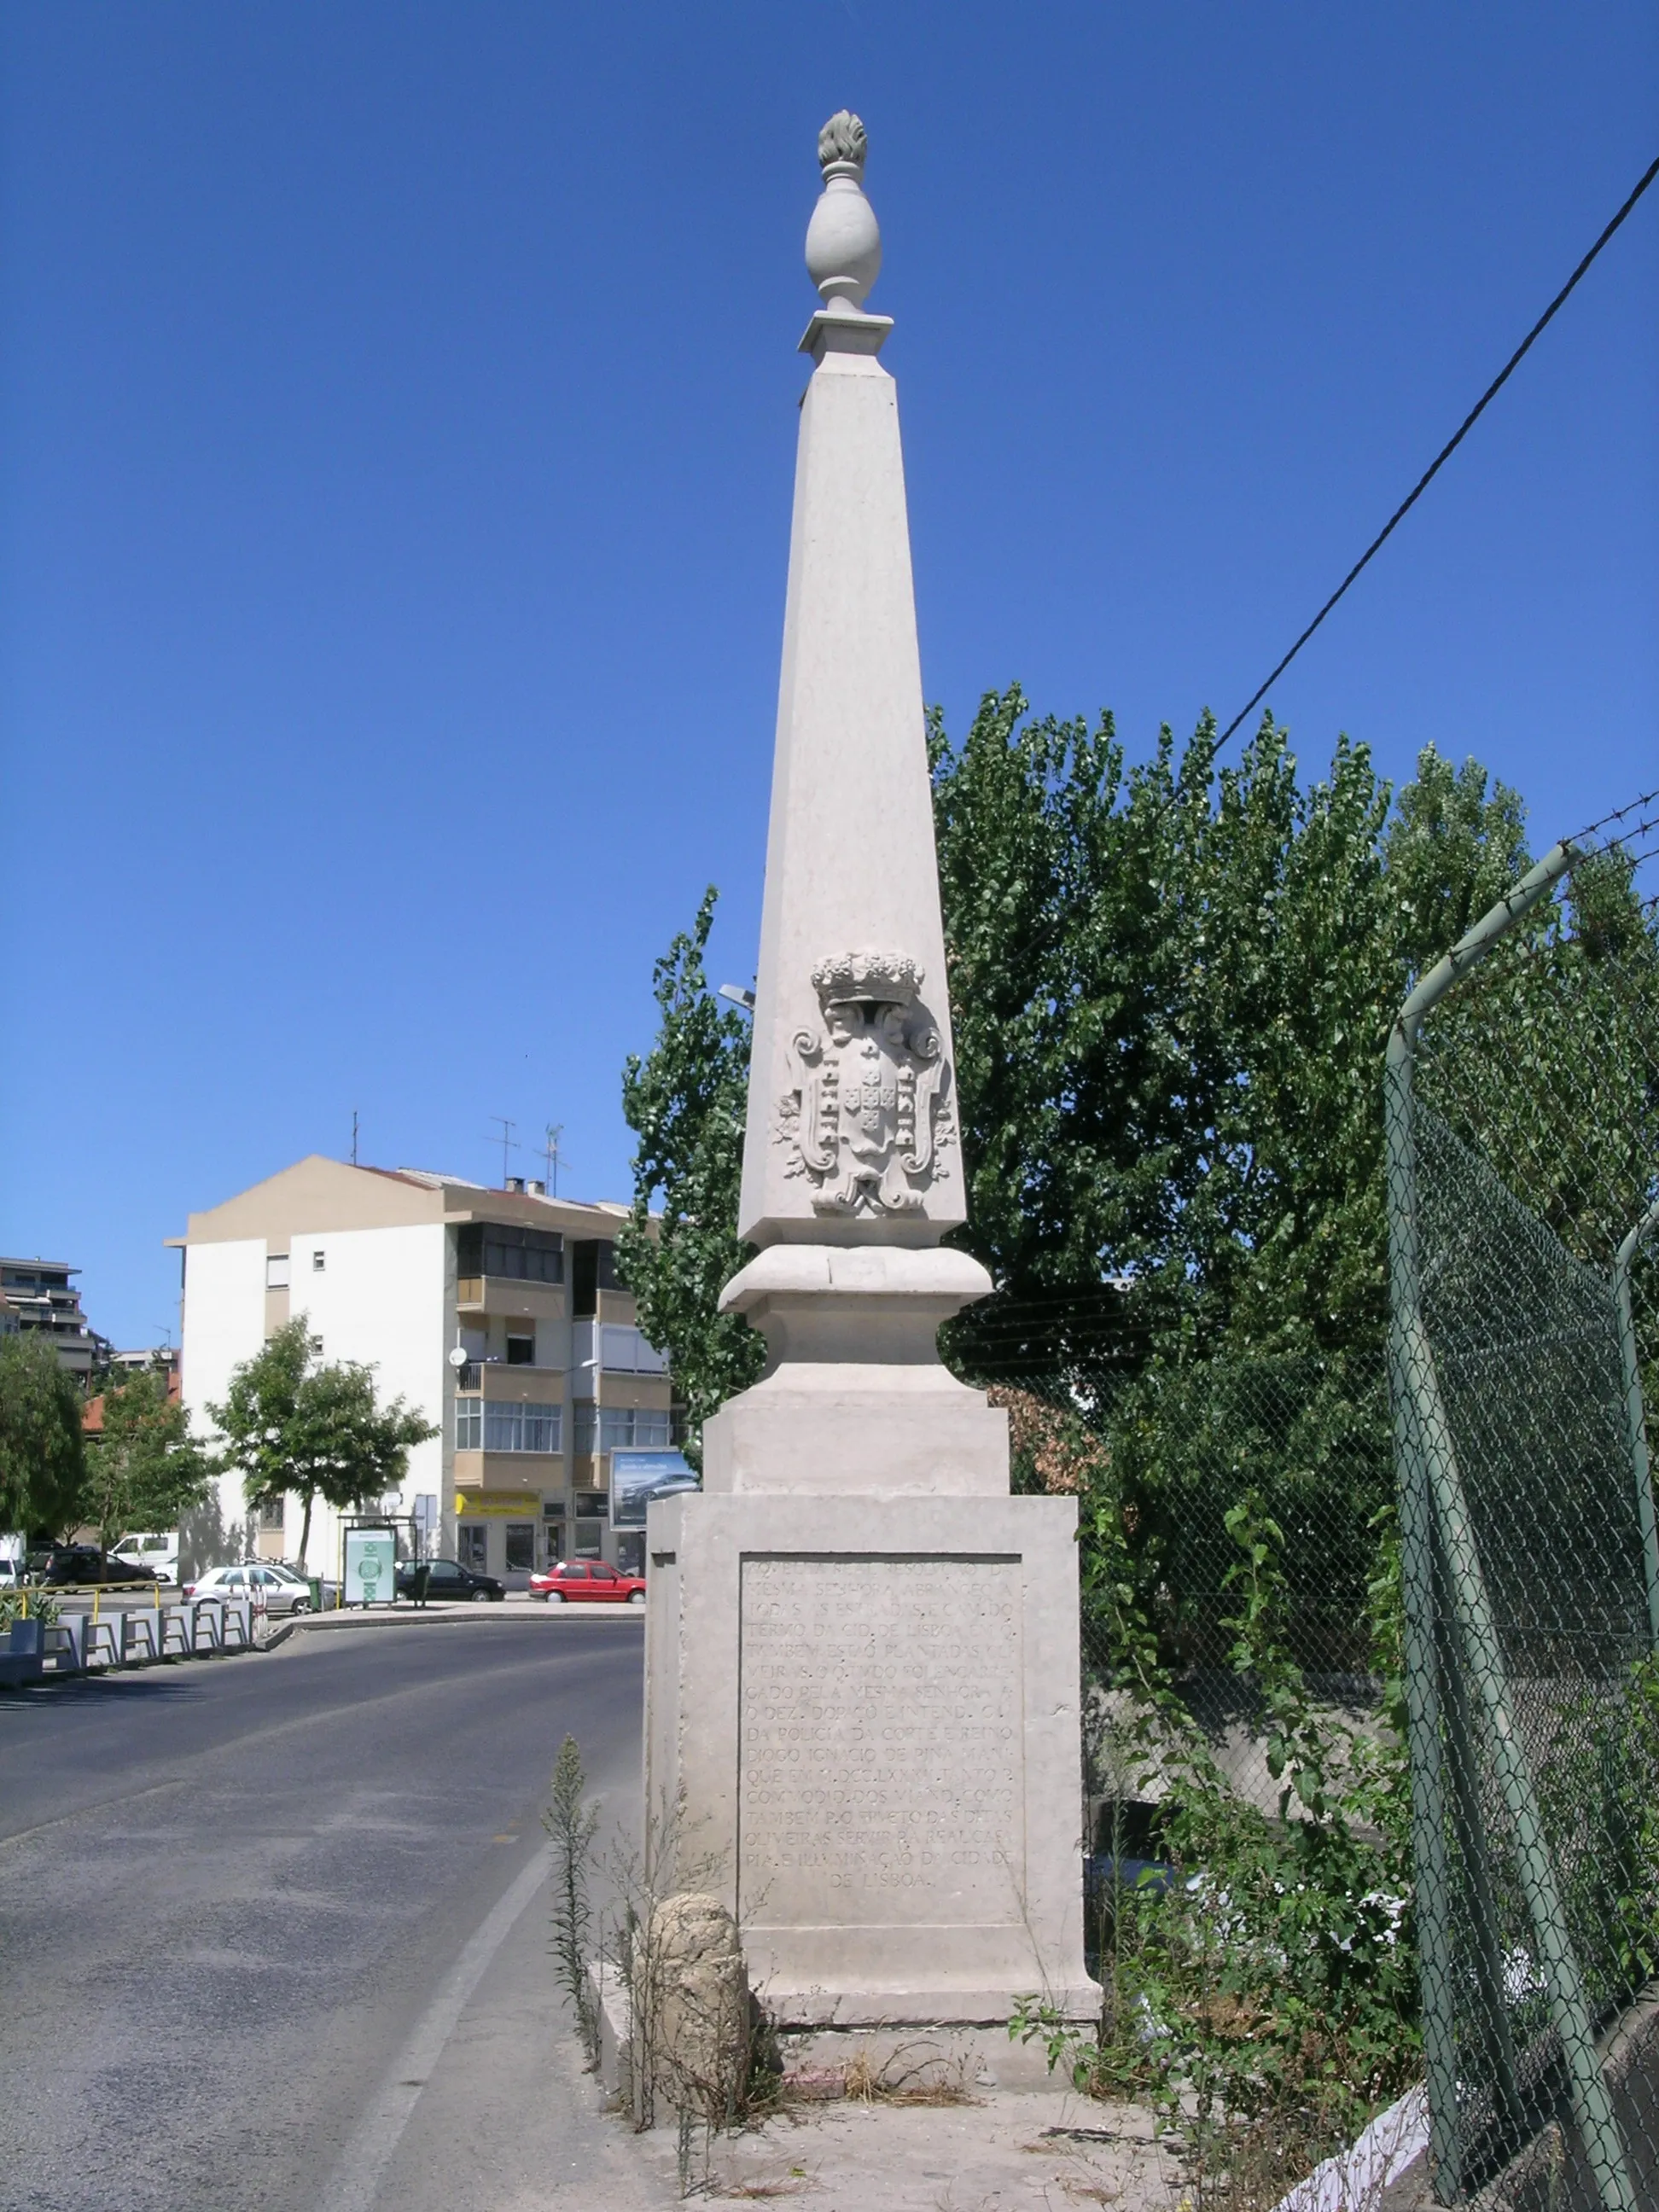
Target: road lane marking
<point>355,2180</point>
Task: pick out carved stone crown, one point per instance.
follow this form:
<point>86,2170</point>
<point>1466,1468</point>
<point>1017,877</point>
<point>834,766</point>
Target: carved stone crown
<point>842,139</point>
<point>884,979</point>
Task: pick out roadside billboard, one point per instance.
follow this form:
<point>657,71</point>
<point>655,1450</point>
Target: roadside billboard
<point>638,1475</point>
<point>371,1567</point>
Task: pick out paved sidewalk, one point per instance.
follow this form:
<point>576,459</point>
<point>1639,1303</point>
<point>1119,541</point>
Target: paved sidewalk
<point>1005,2151</point>
<point>517,1606</point>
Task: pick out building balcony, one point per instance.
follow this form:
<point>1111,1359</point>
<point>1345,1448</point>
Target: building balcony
<point>512,1299</point>
<point>525,1475</point>
<point>502,1381</point>
<point>654,1392</point>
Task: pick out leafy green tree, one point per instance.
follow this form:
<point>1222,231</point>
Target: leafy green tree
<point>291,1428</point>
<point>1171,987</point>
<point>1455,844</point>
<point>144,1468</point>
<point>1289,976</point>
<point>1171,984</point>
<point>685,1102</point>
<point>42,1451</point>
<point>1064,933</point>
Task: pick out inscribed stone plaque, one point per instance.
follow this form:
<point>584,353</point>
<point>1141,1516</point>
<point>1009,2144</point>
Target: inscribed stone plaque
<point>881,1761</point>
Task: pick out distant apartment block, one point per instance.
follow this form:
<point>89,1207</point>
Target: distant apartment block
<point>497,1313</point>
<point>38,1294</point>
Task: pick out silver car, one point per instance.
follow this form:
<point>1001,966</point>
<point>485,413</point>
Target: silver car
<point>282,1590</point>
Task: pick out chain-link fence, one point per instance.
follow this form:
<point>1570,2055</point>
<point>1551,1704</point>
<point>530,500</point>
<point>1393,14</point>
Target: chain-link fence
<point>1371,1697</point>
<point>1244,1791</point>
<point>1522,1104</point>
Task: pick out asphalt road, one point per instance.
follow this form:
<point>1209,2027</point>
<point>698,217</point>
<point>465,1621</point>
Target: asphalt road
<point>239,1899</point>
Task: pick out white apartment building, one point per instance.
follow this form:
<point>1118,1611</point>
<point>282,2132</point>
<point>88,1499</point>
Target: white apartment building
<point>399,1270</point>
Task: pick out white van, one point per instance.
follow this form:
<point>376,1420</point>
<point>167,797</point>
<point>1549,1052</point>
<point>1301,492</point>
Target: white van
<point>158,1555</point>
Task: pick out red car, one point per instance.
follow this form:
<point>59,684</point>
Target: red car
<point>588,1582</point>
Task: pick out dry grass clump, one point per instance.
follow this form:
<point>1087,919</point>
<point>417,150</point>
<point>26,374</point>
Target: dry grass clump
<point>912,2074</point>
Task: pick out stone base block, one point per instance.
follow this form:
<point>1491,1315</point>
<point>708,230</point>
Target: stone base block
<point>615,2016</point>
<point>919,2057</point>
<point>924,1432</point>
<point>862,1733</point>
<point>816,2061</point>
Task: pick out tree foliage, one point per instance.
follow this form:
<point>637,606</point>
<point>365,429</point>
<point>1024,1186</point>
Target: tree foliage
<point>42,1452</point>
<point>292,1428</point>
<point>685,1102</point>
<point>144,1468</point>
<point>1171,983</point>
<point>1171,986</point>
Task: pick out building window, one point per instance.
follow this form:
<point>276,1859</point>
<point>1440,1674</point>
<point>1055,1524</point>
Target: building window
<point>522,1255</point>
<point>524,1428</point>
<point>472,1546</point>
<point>316,1263</point>
<point>483,1427</point>
<point>617,1428</point>
<point>276,1271</point>
<point>521,1352</point>
<point>316,1343</point>
<point>592,1269</point>
<point>624,1426</point>
<point>624,1350</point>
<point>589,1535</point>
<point>520,1546</point>
<point>270,1514</point>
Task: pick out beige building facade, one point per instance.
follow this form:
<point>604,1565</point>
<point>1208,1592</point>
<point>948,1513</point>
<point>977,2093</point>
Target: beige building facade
<point>496,1313</point>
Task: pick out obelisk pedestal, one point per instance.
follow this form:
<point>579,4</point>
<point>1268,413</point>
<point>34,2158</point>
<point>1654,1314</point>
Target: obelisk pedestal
<point>862,1676</point>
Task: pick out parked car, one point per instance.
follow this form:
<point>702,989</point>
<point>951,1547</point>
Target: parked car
<point>84,1563</point>
<point>588,1582</point>
<point>156,1553</point>
<point>283,1591</point>
<point>448,1578</point>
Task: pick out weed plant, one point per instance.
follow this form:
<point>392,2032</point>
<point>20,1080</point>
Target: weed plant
<point>1262,1993</point>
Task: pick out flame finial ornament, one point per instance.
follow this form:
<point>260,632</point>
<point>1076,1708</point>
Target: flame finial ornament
<point>844,240</point>
<point>844,138</point>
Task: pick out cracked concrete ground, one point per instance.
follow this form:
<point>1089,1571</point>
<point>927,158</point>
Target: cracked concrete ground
<point>1003,2151</point>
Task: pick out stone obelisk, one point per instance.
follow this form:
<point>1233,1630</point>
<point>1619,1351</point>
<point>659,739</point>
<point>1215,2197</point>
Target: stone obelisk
<point>862,1701</point>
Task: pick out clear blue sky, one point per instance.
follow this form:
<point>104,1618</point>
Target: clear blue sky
<point>396,429</point>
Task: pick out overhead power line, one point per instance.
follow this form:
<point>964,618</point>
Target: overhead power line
<point>1446,451</point>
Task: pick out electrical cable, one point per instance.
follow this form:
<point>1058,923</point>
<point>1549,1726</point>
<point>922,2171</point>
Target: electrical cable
<point>1446,451</point>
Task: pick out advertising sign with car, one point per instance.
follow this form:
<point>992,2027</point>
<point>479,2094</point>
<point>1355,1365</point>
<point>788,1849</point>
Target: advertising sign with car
<point>638,1475</point>
<point>371,1567</point>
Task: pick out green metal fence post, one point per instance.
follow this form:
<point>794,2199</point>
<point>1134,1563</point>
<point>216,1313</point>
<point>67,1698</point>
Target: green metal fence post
<point>1635,1413</point>
<point>1598,2129</point>
<point>1429,1464</point>
<point>1477,1857</point>
<point>1422,1669</point>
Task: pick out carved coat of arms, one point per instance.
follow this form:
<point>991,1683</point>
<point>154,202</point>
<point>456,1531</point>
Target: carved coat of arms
<point>868,1108</point>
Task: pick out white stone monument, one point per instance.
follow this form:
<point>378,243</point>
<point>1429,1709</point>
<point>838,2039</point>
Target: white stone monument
<point>862,1700</point>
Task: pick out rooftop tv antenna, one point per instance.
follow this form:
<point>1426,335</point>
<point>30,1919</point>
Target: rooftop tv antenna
<point>554,1157</point>
<point>353,1136</point>
<point>509,1143</point>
